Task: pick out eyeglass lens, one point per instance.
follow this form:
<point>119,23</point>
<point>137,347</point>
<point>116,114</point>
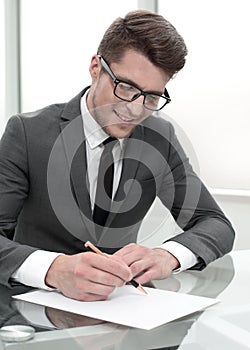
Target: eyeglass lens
<point>129,92</point>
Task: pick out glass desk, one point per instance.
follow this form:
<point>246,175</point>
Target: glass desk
<point>225,325</point>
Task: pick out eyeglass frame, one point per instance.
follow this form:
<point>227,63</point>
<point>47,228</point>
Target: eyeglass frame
<point>116,81</point>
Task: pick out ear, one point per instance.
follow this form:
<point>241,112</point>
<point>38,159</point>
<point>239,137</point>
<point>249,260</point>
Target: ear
<point>95,67</point>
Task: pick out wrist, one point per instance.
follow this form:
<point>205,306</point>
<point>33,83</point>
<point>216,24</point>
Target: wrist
<point>50,278</point>
<point>172,261</point>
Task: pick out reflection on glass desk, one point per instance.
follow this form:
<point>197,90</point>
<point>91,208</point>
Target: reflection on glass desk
<point>222,326</point>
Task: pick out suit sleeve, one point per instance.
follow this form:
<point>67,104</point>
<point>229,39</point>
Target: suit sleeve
<point>207,231</point>
<point>14,187</point>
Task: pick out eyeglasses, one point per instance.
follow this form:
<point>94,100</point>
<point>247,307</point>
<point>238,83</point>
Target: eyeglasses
<point>129,93</point>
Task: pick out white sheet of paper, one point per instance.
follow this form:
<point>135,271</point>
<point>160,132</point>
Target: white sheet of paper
<point>126,305</point>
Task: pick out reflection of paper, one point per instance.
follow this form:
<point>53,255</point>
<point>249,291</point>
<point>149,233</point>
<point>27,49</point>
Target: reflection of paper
<point>126,305</point>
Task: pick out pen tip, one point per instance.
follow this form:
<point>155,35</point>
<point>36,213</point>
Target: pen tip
<point>142,289</point>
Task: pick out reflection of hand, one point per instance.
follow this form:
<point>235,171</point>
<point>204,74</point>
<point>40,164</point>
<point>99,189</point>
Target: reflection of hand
<point>62,319</point>
<point>88,276</point>
<point>148,264</point>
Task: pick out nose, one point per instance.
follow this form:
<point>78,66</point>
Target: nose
<point>136,108</point>
<point>139,100</point>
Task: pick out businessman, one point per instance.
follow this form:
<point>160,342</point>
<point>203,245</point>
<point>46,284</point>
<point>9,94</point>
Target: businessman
<point>55,192</point>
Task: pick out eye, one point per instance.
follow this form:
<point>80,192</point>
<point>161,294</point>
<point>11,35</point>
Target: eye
<point>153,99</point>
<point>128,87</point>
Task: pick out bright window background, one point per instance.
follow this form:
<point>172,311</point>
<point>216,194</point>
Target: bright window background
<point>211,96</point>
<point>58,39</point>
<point>2,69</point>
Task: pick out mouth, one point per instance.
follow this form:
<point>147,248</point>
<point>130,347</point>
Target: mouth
<point>124,119</point>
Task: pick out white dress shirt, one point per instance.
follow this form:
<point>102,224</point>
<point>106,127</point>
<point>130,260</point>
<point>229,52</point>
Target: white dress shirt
<point>35,277</point>
<point>95,136</point>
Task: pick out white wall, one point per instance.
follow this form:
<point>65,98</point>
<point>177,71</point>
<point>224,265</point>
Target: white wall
<point>211,95</point>
<point>58,39</point>
<point>2,69</point>
<point>211,99</point>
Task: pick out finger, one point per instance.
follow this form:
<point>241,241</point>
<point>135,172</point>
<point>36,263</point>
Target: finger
<point>134,253</point>
<point>106,270</point>
<point>138,267</point>
<point>145,276</point>
<point>126,250</point>
<point>104,278</point>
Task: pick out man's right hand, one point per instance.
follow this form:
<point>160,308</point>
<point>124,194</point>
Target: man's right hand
<point>87,276</point>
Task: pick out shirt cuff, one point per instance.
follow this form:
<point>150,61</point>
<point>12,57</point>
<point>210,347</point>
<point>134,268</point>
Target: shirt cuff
<point>184,255</point>
<point>33,270</point>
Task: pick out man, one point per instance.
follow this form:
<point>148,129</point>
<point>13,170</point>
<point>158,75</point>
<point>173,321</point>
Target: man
<point>49,205</point>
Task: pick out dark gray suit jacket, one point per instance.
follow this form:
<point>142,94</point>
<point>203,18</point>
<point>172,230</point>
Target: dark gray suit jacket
<point>44,199</point>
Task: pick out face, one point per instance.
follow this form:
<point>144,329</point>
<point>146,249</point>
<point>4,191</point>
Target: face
<point>119,118</point>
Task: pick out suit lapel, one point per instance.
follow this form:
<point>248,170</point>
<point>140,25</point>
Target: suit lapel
<point>73,140</point>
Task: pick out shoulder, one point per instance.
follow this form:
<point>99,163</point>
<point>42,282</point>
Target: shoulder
<point>158,129</point>
<point>34,125</point>
<point>47,114</point>
<point>32,128</point>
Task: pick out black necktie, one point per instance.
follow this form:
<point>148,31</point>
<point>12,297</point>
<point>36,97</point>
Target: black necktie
<point>104,187</point>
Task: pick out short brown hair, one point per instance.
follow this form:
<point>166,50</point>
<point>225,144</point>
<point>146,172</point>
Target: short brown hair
<point>148,33</point>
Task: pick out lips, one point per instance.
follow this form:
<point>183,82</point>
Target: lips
<point>123,118</point>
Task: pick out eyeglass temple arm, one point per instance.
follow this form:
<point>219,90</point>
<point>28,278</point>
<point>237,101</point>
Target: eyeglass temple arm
<point>106,67</point>
<point>167,94</point>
